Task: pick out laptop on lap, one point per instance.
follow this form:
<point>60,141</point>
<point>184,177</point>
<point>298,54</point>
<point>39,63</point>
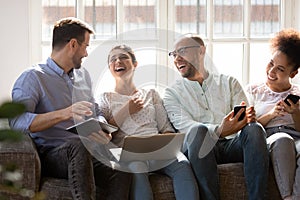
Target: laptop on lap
<point>149,147</point>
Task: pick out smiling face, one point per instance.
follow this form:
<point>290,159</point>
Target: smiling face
<point>186,57</point>
<point>81,51</point>
<point>279,71</point>
<point>120,64</point>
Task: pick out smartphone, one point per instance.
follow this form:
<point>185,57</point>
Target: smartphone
<point>236,110</point>
<point>292,97</point>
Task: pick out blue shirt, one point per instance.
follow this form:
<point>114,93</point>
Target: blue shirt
<point>44,88</point>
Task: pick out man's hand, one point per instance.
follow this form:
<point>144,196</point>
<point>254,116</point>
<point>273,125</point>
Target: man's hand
<point>230,124</point>
<point>100,137</point>
<point>79,110</point>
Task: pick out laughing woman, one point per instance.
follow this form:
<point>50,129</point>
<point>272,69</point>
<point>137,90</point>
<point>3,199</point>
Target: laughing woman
<point>281,119</point>
<point>141,112</point>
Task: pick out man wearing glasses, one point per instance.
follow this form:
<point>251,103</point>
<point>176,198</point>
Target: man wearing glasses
<point>201,105</point>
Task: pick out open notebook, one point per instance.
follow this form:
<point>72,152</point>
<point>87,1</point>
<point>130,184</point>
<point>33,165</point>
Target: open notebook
<point>149,147</point>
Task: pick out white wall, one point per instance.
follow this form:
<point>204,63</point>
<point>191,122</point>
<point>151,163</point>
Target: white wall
<point>297,15</point>
<point>19,49</point>
<point>14,41</point>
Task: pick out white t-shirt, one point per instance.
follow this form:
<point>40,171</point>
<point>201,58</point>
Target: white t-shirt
<point>151,119</point>
<point>264,99</point>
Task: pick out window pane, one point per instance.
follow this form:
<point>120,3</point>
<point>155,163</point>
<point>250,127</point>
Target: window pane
<point>53,11</point>
<point>228,59</point>
<point>145,74</point>
<point>101,14</point>
<point>228,18</point>
<point>265,17</point>
<point>259,57</point>
<point>139,14</point>
<point>190,16</point>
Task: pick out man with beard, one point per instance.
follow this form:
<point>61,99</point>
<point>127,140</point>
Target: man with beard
<point>201,105</point>
<point>57,93</point>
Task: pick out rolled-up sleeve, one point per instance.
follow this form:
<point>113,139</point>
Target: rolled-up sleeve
<point>25,91</point>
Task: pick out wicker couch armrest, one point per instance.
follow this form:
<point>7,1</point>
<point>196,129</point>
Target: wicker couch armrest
<point>24,156</point>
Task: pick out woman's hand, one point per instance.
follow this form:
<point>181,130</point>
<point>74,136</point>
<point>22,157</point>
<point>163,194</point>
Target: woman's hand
<point>292,109</point>
<point>135,105</point>
<point>132,106</point>
<point>277,111</point>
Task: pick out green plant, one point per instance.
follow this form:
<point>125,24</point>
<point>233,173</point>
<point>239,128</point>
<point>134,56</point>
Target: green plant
<point>10,110</point>
<point>11,177</point>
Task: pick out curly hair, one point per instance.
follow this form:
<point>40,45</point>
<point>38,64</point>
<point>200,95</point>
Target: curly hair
<point>288,42</point>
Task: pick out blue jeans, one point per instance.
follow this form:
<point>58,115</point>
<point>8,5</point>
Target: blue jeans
<point>85,174</point>
<point>249,147</point>
<point>184,182</point>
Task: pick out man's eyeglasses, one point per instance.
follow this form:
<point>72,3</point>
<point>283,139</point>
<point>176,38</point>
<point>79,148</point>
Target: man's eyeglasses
<point>121,57</point>
<point>181,51</point>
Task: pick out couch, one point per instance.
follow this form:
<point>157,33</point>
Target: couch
<point>24,155</point>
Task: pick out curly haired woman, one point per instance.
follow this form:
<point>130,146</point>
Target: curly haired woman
<point>280,118</point>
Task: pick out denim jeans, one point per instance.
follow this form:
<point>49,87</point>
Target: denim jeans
<point>85,174</point>
<point>285,153</point>
<point>249,147</point>
<point>184,182</point>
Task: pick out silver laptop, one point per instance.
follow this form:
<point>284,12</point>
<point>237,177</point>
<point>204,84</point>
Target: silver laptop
<point>149,147</point>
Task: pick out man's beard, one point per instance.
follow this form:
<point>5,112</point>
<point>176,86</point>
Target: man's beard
<point>77,63</point>
<point>77,66</point>
<point>190,72</point>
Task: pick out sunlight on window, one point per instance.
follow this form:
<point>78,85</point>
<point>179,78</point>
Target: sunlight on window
<point>260,56</point>
<point>228,59</point>
<point>224,28</point>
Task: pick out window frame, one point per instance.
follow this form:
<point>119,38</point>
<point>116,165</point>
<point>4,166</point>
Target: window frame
<point>166,21</point>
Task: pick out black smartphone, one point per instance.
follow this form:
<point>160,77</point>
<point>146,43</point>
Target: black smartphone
<point>236,110</point>
<point>292,97</point>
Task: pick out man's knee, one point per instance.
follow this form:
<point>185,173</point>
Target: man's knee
<point>199,142</point>
<point>196,134</point>
<point>254,131</point>
<point>253,135</point>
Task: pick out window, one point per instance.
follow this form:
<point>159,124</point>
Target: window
<point>236,32</point>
